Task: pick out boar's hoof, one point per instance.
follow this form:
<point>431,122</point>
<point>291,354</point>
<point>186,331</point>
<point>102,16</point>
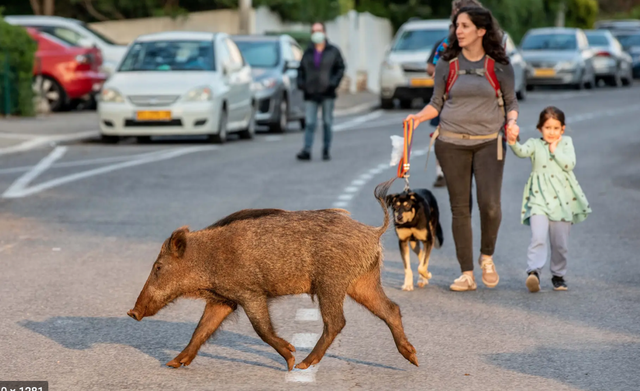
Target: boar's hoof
<point>135,315</point>
<point>409,352</point>
<point>180,360</point>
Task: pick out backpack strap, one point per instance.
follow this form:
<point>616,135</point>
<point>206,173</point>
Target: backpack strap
<point>454,71</point>
<point>490,73</point>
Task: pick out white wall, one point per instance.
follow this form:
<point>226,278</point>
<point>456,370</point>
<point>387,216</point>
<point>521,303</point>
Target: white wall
<point>362,38</point>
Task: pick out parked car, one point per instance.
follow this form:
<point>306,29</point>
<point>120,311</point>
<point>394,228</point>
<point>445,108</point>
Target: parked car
<point>76,33</point>
<point>520,66</point>
<point>618,25</point>
<point>630,42</point>
<point>70,74</point>
<point>403,74</point>
<point>559,56</point>
<point>274,62</point>
<point>612,64</point>
<point>179,83</point>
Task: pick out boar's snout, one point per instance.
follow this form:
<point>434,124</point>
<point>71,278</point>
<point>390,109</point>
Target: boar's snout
<point>135,314</point>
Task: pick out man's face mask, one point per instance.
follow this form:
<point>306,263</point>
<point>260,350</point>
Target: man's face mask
<point>317,37</point>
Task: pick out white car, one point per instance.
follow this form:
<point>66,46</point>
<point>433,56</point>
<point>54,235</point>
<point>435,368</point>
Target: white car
<point>403,74</point>
<point>76,33</point>
<point>179,83</point>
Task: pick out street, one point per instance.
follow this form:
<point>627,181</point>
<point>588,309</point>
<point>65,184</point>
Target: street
<point>82,223</point>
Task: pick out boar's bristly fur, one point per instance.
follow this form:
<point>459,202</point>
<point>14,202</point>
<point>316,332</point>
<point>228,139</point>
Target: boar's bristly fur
<point>256,254</point>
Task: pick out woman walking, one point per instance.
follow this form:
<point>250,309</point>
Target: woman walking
<point>470,142</point>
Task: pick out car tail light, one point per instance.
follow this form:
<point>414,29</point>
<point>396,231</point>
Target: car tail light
<point>603,54</point>
<point>85,61</point>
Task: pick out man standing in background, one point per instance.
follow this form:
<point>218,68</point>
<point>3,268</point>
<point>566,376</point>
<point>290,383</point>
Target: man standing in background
<point>321,70</point>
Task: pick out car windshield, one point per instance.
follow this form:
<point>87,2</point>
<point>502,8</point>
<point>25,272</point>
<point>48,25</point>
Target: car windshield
<point>550,42</point>
<point>169,56</point>
<point>419,40</point>
<point>628,40</point>
<point>597,39</point>
<point>97,34</point>
<point>260,54</point>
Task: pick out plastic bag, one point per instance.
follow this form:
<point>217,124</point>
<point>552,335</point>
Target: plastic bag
<point>398,150</point>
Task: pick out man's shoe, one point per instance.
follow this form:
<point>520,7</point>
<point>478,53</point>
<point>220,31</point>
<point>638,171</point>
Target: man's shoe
<point>490,276</point>
<point>440,182</point>
<point>559,284</point>
<point>533,282</point>
<point>326,155</point>
<point>304,155</point>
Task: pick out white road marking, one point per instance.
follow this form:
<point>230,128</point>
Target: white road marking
<point>357,121</point>
<point>305,340</point>
<point>302,376</point>
<point>307,315</point>
<point>84,162</point>
<point>351,189</point>
<point>19,188</point>
<point>273,138</point>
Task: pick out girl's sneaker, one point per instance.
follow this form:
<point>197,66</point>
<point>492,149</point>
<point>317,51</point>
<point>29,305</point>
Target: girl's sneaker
<point>559,284</point>
<point>533,282</point>
<point>464,283</point>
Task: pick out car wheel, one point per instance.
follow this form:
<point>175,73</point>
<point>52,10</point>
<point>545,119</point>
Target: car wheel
<point>250,130</point>
<point>386,104</point>
<point>406,103</point>
<point>143,139</point>
<point>283,117</point>
<point>109,139</point>
<point>54,94</point>
<point>221,136</point>
<point>522,94</point>
<point>530,87</point>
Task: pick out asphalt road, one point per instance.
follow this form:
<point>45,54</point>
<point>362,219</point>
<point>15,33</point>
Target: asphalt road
<point>82,224</point>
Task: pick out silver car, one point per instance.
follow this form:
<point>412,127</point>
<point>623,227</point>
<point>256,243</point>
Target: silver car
<point>612,63</point>
<point>520,66</point>
<point>403,74</point>
<point>274,62</point>
<point>559,56</point>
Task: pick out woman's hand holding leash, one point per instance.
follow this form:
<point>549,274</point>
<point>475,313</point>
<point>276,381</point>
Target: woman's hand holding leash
<point>415,118</point>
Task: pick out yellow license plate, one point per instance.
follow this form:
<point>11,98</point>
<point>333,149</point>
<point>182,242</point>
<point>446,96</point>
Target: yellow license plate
<point>545,72</point>
<point>153,116</point>
<point>421,82</point>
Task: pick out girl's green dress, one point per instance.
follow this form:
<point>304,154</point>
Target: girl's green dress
<point>552,189</point>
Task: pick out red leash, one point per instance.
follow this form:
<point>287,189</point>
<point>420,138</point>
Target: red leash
<point>403,166</point>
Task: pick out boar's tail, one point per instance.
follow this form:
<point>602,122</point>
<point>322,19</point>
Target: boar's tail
<point>381,195</point>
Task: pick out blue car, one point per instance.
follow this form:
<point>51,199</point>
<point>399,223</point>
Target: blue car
<point>630,41</point>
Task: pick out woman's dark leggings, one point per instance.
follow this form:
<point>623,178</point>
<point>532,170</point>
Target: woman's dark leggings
<point>459,163</point>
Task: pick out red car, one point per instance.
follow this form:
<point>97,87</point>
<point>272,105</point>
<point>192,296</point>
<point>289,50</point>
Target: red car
<point>70,73</point>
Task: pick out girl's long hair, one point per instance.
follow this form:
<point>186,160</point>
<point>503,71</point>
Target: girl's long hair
<point>491,42</point>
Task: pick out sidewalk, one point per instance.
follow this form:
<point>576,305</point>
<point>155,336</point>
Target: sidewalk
<point>21,134</point>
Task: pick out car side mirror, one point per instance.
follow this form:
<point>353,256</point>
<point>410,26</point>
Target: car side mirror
<point>230,67</point>
<point>291,64</point>
<point>85,43</point>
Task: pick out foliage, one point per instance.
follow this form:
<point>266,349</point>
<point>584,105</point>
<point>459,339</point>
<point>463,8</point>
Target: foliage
<point>17,52</point>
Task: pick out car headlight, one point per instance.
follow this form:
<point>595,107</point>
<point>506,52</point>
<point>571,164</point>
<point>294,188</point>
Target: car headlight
<point>200,94</point>
<point>264,84</point>
<point>111,95</point>
<point>391,66</point>
<point>567,66</point>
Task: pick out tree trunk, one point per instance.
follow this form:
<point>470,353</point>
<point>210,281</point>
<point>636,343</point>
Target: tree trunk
<point>49,7</point>
<point>35,6</point>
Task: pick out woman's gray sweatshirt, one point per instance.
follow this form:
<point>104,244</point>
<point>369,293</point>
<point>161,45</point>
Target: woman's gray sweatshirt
<point>472,107</point>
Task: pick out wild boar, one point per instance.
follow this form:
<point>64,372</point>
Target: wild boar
<point>253,255</point>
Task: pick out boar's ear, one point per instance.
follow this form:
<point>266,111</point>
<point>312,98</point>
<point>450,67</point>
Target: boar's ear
<point>178,241</point>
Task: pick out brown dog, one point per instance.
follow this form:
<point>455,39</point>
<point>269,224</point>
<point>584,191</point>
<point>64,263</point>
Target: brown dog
<point>253,255</point>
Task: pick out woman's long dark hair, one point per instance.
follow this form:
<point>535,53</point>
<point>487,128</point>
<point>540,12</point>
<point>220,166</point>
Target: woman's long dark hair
<point>491,42</point>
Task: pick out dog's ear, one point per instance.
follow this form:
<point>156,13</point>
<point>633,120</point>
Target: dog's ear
<point>390,199</point>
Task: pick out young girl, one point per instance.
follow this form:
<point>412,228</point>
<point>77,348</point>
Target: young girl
<point>553,199</point>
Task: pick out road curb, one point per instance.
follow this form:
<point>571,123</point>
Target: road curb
<point>359,109</point>
<point>37,142</point>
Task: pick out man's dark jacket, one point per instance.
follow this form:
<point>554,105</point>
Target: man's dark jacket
<point>320,83</point>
